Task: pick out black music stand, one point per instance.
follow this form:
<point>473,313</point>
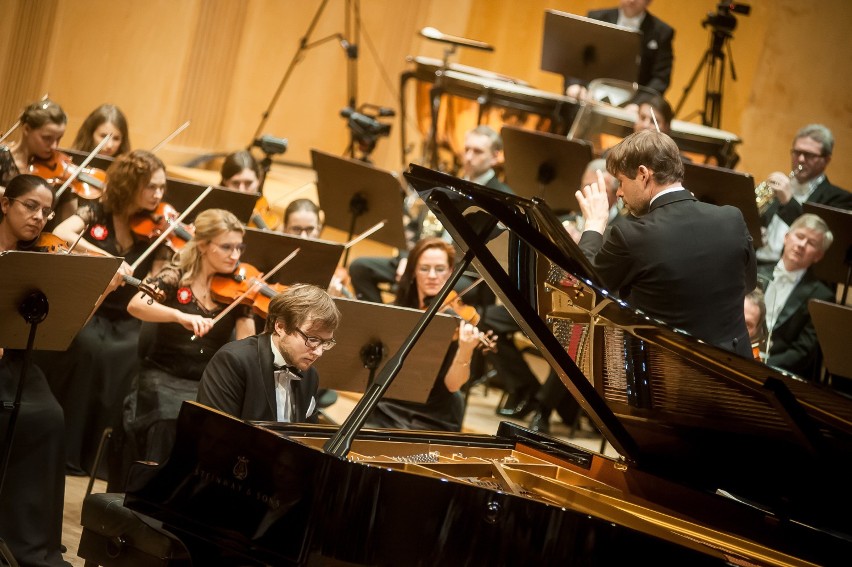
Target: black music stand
<point>180,193</point>
<point>369,333</point>
<point>587,49</point>
<point>545,165</point>
<point>832,323</point>
<point>28,282</point>
<point>314,264</point>
<point>356,196</point>
<point>836,264</point>
<point>720,186</point>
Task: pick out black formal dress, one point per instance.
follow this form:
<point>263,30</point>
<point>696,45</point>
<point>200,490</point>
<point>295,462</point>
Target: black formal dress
<point>92,377</point>
<point>240,380</point>
<point>687,263</point>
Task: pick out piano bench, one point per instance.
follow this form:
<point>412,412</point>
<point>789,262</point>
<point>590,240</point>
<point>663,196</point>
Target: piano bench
<point>116,536</point>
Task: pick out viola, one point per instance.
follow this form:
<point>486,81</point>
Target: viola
<point>151,224</point>
<point>51,244</point>
<point>226,288</point>
<point>264,217</point>
<point>89,183</point>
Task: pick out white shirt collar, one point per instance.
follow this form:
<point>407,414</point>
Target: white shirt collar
<point>802,191</point>
<point>484,178</point>
<point>632,23</point>
<point>664,191</point>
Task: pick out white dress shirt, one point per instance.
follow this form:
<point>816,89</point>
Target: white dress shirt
<point>283,391</point>
<point>778,291</point>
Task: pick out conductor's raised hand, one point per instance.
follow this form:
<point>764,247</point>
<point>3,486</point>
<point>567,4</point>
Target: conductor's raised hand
<point>594,204</point>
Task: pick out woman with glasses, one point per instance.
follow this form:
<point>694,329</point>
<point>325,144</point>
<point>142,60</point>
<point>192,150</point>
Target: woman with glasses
<point>93,376</point>
<point>173,360</point>
<point>32,500</point>
<point>430,263</point>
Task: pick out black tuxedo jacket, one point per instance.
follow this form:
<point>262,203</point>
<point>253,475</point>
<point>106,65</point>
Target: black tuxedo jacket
<point>793,343</point>
<point>686,263</point>
<point>655,69</point>
<point>239,380</point>
<point>824,194</point>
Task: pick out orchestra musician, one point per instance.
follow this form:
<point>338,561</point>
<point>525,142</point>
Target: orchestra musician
<point>33,495</point>
<point>303,217</point>
<point>105,120</point>
<point>687,263</point>
<point>655,69</point>
<point>810,155</point>
<point>92,377</point>
<point>240,172</point>
<point>42,126</point>
<point>173,362</point>
<point>241,375</point>
<point>754,308</point>
<point>430,263</point>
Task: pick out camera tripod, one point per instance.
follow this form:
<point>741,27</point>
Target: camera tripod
<point>714,60</point>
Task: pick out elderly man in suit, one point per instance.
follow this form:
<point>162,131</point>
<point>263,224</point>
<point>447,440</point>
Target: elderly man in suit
<point>268,376</point>
<point>687,263</point>
<point>793,344</point>
<point>809,157</point>
<point>655,68</point>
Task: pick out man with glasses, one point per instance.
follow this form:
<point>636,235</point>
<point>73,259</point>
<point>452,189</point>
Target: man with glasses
<point>269,376</point>
<point>809,156</point>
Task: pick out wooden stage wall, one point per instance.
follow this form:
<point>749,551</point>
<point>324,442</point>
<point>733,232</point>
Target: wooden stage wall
<point>218,63</point>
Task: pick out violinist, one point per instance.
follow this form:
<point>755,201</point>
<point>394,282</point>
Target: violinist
<point>93,376</point>
<point>107,119</point>
<point>428,269</point>
<point>31,504</point>
<point>173,363</point>
<point>241,172</point>
<point>42,127</point>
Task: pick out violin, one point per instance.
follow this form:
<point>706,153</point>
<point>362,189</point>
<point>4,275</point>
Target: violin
<point>51,244</point>
<point>225,288</point>
<point>453,305</point>
<point>151,224</point>
<point>264,217</point>
<point>90,181</point>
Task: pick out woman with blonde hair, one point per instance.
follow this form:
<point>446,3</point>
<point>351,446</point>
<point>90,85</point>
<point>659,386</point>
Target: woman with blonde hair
<point>173,361</point>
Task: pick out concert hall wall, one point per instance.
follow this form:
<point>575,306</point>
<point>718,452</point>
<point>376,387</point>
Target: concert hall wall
<point>219,62</point>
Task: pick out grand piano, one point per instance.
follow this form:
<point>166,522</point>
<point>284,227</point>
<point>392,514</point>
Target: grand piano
<point>722,460</point>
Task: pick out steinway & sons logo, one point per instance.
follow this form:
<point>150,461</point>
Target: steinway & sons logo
<point>236,483</point>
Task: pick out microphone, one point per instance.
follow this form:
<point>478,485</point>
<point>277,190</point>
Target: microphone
<point>270,144</point>
<point>435,35</point>
<point>363,121</point>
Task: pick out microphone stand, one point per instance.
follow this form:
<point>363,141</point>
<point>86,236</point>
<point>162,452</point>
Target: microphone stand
<point>353,6</point>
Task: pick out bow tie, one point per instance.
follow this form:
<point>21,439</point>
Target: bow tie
<point>780,275</point>
<point>291,369</point>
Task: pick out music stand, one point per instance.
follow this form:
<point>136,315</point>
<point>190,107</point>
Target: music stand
<point>180,193</point>
<point>371,332</point>
<point>587,49</point>
<point>545,165</point>
<point>355,196</point>
<point>832,323</point>
<point>836,264</point>
<point>720,186</point>
<point>314,264</point>
<point>28,282</point>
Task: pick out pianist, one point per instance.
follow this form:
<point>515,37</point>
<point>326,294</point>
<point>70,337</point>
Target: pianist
<point>268,377</point>
<point>687,263</point>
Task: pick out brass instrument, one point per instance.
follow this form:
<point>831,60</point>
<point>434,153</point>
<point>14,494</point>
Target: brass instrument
<point>764,193</point>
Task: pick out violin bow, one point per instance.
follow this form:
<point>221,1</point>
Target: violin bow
<point>257,282</point>
<point>365,234</point>
<point>77,169</point>
<point>16,124</point>
<point>478,281</point>
<point>172,225</point>
<point>170,137</point>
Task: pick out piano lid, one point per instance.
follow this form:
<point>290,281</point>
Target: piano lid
<point>666,401</point>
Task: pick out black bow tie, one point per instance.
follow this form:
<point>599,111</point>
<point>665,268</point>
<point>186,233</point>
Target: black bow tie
<point>292,369</point>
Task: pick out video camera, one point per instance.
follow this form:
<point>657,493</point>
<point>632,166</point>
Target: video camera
<point>270,145</point>
<point>724,21</point>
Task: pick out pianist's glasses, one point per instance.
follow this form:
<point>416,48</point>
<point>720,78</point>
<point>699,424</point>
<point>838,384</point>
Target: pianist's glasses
<point>314,342</point>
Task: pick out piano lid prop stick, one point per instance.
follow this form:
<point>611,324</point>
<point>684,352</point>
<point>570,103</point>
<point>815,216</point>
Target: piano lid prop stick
<point>365,234</point>
<point>76,170</point>
<point>171,136</point>
<point>258,282</point>
<point>172,225</point>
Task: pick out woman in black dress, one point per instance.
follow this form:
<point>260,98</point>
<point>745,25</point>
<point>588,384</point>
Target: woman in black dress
<point>32,498</point>
<point>93,376</point>
<point>173,363</point>
<point>430,263</point>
